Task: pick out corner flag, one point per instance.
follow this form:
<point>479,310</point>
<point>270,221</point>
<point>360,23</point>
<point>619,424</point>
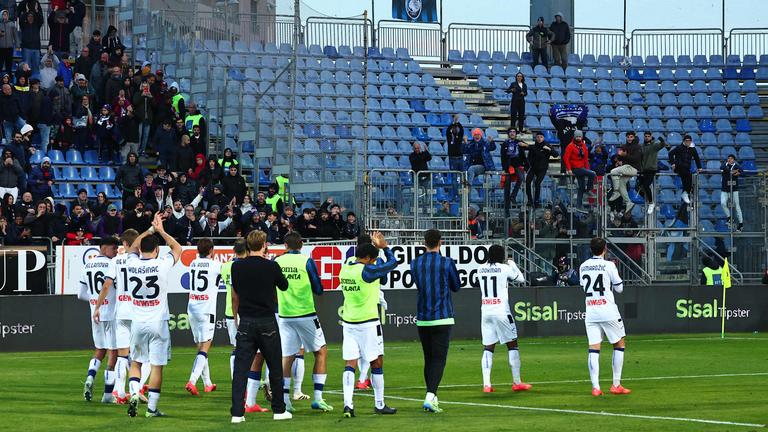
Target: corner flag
<point>726,276</point>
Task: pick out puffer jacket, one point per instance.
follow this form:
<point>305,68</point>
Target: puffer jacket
<point>482,148</point>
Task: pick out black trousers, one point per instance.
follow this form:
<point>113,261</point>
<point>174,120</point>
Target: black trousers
<point>687,178</point>
<point>646,185</point>
<point>540,53</point>
<point>434,342</point>
<point>536,177</point>
<point>257,334</point>
<point>520,172</point>
<point>6,63</point>
<point>517,114</point>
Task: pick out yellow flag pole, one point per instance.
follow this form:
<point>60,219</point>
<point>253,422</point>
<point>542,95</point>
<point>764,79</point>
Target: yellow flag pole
<point>722,316</point>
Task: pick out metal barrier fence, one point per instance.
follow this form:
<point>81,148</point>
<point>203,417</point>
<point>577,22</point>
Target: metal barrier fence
<point>488,37</point>
<point>337,31</point>
<point>742,41</point>
<point>660,42</point>
<point>595,41</point>
<point>421,40</point>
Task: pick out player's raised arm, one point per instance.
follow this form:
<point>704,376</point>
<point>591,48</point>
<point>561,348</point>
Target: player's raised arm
<point>372,272</point>
<point>515,274</point>
<point>135,246</point>
<point>157,224</point>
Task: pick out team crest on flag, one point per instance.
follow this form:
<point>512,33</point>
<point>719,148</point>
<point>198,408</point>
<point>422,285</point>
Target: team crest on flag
<point>413,9</point>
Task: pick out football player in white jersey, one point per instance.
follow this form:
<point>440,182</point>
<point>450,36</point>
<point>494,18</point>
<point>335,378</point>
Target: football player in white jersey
<point>599,279</point>
<point>498,326</point>
<point>98,273</point>
<point>150,337</point>
<point>123,308</point>
<point>204,278</point>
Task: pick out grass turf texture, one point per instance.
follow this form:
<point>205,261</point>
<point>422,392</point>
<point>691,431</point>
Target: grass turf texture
<point>43,391</point>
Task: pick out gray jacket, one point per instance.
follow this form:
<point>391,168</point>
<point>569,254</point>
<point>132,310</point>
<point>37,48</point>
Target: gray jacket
<point>539,36</point>
<point>9,175</point>
<point>9,35</point>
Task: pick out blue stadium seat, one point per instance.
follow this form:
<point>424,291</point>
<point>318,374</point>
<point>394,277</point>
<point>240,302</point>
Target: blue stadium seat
<point>743,125</point>
<point>738,112</point>
<point>747,74</point>
<point>723,125</point>
<point>57,157</point>
<point>706,125</point>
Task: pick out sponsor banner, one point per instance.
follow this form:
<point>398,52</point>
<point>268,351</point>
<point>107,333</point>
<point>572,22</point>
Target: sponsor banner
<point>23,272</point>
<point>38,323</point>
<point>71,259</point>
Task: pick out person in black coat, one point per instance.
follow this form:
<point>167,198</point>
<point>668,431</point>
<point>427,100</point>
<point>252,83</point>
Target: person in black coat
<point>185,156</point>
<point>519,90</point>
<point>185,190</point>
<point>538,162</point>
<point>681,158</point>
<point>30,24</point>
<point>234,185</point>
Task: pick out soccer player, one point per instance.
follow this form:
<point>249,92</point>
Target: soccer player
<point>254,375</point>
<point>497,325</point>
<point>204,276</point>
<point>361,327</point>
<point>123,309</point>
<point>98,273</point>
<point>150,337</point>
<point>599,279</point>
<point>298,321</point>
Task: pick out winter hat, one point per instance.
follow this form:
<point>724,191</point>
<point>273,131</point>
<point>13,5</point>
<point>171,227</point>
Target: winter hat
<point>541,19</point>
<point>111,207</point>
<point>26,129</point>
<point>560,14</point>
<point>45,159</point>
<point>578,133</point>
<point>175,85</point>
<point>80,77</point>
<point>477,131</point>
<point>145,64</point>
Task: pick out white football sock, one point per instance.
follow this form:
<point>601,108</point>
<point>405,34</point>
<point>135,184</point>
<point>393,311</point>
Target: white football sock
<point>487,364</point>
<point>297,372</point>
<point>197,367</point>
<point>93,367</point>
<point>430,397</point>
<point>514,363</point>
<point>286,391</point>
<point>319,382</point>
<point>253,386</point>
<point>109,382</point>
<point>363,367</point>
<point>121,372</point>
<point>206,376</point>
<point>594,368</point>
<point>134,386</point>
<point>377,381</point>
<point>348,385</point>
<point>146,369</point>
<point>618,364</point>
<point>153,397</point>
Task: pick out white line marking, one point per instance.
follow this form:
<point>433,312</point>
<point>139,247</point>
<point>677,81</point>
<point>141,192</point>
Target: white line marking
<point>656,378</point>
<point>569,411</point>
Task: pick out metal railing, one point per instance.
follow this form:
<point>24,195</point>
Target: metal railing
<point>598,41</point>
<point>744,41</point>
<point>421,40</point>
<point>488,37</point>
<point>660,42</point>
<point>337,31</point>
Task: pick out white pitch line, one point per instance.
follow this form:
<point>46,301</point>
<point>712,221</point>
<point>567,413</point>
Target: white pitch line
<point>655,378</point>
<point>583,412</point>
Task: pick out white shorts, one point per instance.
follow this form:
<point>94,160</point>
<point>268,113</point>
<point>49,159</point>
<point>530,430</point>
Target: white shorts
<point>298,332</point>
<point>151,342</point>
<point>232,330</point>
<point>498,329</point>
<point>362,341</point>
<point>611,330</point>
<point>123,334</point>
<point>103,334</point>
<point>202,327</point>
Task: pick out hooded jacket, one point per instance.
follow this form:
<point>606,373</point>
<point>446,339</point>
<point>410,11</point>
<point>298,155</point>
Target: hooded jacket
<point>30,33</point>
<point>199,167</point>
<point>650,157</point>
<point>129,176</point>
<point>482,149</point>
<point>38,181</point>
<point>9,175</point>
<point>538,156</point>
<point>561,32</point>
<point>59,35</point>
<point>682,157</point>
<point>9,35</point>
<point>112,41</point>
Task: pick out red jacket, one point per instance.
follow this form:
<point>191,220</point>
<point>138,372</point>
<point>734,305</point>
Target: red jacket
<point>571,158</point>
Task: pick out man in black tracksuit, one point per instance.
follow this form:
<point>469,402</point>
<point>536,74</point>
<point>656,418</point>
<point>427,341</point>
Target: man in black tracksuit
<point>538,161</point>
<point>649,165</point>
<point>512,156</point>
<point>680,158</point>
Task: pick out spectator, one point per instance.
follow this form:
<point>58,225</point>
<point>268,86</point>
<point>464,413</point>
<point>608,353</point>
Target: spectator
<point>160,200</point>
<point>197,142</point>
<point>729,190</point>
<point>8,208</point>
<point>539,37</point>
<point>24,206</point>
<point>261,203</point>
<point>419,159</point>
<point>197,172</point>
<point>177,100</point>
<point>80,218</point>
<point>49,74</point>
<point>512,166</point>
<point>107,135</point>
<point>129,176</point>
<point>137,218</point>
<point>39,222</point>
<point>129,131</point>
<point>147,189</point>
<point>84,63</point>
<point>445,210</point>
<point>78,237</point>
<point>195,118</point>
<point>82,200</point>
<point>351,227</point>
<point>4,229</point>
<point>10,6</point>
<point>576,159</point>
<point>252,221</point>
<point>454,135</point>
<point>40,114</point>
<point>99,207</point>
<point>77,10</point>
<point>681,158</point>
<point>94,45</point>
<point>212,227</point>
<point>10,112</point>
<point>112,85</point>
<point>629,158</point>
<point>65,70</point>
<point>477,153</point>
<point>519,90</point>
<point>185,189</point>
<point>185,156</point>
<point>60,30</point>
<point>187,227</point>
<point>564,275</point>
<point>649,165</point>
<point>246,205</point>
<point>213,172</point>
<point>100,73</point>
<point>11,172</point>
<point>561,36</point>
<point>62,101</point>
<point>547,229</point>
<point>9,40</point>
<point>476,222</point>
<point>164,143</point>
<point>327,228</point>
<point>82,120</point>
<point>30,24</point>
<point>538,163</point>
<point>234,185</point>
<point>144,108</point>
<point>112,41</point>
<point>217,198</point>
<point>41,179</point>
<point>228,160</point>
<point>306,224</point>
<point>65,136</point>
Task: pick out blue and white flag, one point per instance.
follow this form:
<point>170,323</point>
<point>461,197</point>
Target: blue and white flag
<point>567,118</point>
<point>415,10</point>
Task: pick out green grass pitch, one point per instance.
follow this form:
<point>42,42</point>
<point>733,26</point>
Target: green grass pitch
<point>679,383</point>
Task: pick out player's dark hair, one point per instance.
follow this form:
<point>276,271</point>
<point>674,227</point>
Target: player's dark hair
<point>432,238</point>
<point>366,251</point>
<point>109,241</point>
<point>149,244</point>
<point>496,254</point>
<point>293,240</point>
<point>240,248</point>
<point>597,245</point>
<point>129,236</point>
<point>364,239</point>
<point>204,247</point>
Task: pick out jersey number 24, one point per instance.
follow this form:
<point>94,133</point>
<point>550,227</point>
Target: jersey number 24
<point>597,287</point>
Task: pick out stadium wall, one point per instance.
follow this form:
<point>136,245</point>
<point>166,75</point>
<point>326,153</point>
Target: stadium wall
<point>59,322</point>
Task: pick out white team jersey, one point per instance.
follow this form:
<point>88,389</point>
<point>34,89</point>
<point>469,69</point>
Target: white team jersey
<point>204,276</point>
<point>493,279</point>
<point>599,279</point>
<point>148,283</point>
<point>95,273</point>
<point>124,305</point>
